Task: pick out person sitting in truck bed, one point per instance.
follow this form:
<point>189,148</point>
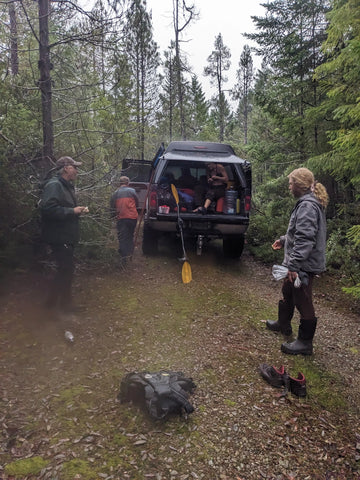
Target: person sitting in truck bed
<point>186,181</point>
<point>217,179</point>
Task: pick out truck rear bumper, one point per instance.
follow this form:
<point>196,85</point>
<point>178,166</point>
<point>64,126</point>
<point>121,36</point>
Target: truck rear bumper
<point>209,224</point>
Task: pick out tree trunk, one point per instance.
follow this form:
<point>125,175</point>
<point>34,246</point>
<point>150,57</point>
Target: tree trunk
<point>171,100</point>
<point>178,71</point>
<point>45,83</point>
<point>14,58</point>
<point>221,117</point>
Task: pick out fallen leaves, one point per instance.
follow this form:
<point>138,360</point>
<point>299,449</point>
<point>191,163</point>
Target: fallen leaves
<point>240,429</point>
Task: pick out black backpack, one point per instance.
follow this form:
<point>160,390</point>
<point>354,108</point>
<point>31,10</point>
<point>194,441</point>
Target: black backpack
<point>161,393</point>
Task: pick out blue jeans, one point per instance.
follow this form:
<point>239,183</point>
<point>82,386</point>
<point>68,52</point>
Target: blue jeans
<point>125,230</point>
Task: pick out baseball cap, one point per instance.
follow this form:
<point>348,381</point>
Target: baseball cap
<point>64,161</point>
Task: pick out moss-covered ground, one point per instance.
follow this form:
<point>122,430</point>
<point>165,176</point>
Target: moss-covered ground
<point>60,417</point>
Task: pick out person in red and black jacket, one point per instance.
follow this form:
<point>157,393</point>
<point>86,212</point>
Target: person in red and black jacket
<point>123,205</point>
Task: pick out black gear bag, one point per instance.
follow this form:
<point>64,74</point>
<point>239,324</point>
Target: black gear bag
<point>161,393</point>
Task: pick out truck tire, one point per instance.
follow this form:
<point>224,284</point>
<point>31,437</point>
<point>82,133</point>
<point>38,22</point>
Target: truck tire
<point>150,241</point>
<point>233,246</point>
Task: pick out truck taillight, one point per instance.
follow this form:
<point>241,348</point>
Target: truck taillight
<point>153,201</point>
<point>247,203</point>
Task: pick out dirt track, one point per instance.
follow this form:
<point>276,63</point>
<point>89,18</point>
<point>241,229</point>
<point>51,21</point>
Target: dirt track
<point>58,401</point>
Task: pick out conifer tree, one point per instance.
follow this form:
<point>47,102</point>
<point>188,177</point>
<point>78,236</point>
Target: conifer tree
<point>198,109</point>
<point>143,60</point>
<point>169,124</point>
<point>289,39</point>
<point>339,78</point>
<point>218,64</point>
<point>183,15</point>
<point>242,90</point>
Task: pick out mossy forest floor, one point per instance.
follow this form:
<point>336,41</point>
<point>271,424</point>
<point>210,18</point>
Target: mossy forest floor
<point>59,416</point>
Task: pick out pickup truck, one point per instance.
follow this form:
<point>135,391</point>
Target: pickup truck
<point>185,165</point>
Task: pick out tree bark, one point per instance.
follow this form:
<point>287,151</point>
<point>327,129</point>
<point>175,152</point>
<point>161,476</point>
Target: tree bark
<point>45,83</point>
<point>14,58</point>
<point>178,70</point>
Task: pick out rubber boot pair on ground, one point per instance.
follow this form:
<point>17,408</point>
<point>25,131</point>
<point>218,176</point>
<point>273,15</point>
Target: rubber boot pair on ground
<point>303,345</point>
<point>279,378</point>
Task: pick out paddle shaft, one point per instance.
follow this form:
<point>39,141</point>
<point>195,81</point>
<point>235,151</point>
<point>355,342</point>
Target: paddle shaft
<point>186,274</point>
<point>176,196</point>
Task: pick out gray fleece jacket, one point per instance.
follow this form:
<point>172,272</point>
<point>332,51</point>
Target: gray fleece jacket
<point>305,239</point>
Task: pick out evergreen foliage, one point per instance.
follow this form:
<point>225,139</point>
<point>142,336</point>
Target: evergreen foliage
<point>218,63</point>
<point>143,60</point>
<point>243,89</point>
<point>339,79</point>
<point>109,101</point>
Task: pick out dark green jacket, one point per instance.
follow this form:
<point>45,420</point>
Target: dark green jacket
<point>59,223</point>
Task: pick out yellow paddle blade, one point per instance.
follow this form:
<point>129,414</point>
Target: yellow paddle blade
<point>186,269</point>
<point>175,193</point>
<point>186,272</point>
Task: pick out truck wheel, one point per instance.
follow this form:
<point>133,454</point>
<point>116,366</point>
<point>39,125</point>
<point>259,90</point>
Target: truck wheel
<point>233,246</point>
<point>150,241</point>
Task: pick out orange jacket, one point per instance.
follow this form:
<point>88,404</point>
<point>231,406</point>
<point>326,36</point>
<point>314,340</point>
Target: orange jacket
<point>124,203</point>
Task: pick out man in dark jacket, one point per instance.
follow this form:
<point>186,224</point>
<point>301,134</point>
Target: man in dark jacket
<point>123,205</point>
<point>304,256</point>
<point>60,229</point>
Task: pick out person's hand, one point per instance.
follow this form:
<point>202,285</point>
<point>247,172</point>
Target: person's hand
<point>79,210</point>
<point>277,245</point>
<point>292,276</point>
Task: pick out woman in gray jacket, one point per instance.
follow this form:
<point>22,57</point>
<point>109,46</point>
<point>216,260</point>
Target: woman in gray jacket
<point>304,255</point>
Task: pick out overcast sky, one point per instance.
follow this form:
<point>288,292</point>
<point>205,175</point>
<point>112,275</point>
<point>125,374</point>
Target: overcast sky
<point>231,18</point>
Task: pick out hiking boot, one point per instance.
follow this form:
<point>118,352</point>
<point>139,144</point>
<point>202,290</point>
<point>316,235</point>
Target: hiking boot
<point>297,386</point>
<point>276,377</point>
<point>298,347</point>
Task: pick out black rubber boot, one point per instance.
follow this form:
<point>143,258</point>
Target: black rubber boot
<point>283,324</point>
<point>303,345</point>
<point>298,347</point>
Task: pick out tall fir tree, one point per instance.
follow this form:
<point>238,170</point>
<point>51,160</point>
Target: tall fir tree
<point>339,79</point>
<point>242,90</point>
<point>218,63</point>
<point>143,60</point>
<point>198,109</point>
<point>168,125</point>
<point>289,39</point>
<point>183,15</point>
